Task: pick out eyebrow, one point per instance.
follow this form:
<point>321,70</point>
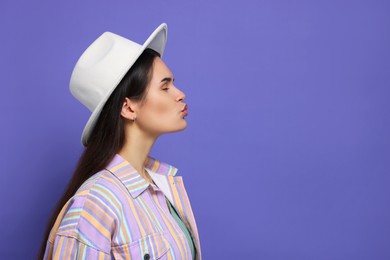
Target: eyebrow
<point>167,79</point>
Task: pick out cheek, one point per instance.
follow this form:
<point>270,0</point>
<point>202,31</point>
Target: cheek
<point>158,108</point>
<point>161,108</point>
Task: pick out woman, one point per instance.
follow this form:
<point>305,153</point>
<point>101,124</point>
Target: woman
<point>122,203</point>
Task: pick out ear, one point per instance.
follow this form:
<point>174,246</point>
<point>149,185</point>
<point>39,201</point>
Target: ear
<point>128,109</point>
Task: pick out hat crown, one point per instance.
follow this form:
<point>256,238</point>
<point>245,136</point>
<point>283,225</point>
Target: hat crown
<point>99,66</point>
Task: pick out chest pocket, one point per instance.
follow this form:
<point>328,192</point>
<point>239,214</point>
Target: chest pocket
<point>152,246</point>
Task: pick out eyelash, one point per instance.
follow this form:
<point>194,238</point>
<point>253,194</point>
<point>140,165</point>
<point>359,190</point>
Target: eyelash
<point>165,89</point>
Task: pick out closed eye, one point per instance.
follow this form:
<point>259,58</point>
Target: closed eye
<point>166,81</point>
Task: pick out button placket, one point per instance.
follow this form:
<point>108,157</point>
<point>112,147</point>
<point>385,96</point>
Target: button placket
<point>165,208</point>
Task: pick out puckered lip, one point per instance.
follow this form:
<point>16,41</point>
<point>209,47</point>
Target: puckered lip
<point>184,108</point>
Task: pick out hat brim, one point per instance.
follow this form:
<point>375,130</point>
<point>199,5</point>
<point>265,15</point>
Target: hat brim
<point>156,41</point>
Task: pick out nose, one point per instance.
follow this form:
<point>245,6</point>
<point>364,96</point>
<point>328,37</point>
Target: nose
<point>181,96</point>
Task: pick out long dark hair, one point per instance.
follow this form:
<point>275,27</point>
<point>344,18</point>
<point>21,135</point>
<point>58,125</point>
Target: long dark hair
<point>108,135</point>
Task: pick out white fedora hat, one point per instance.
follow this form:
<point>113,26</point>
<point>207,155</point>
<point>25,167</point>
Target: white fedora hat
<point>102,66</point>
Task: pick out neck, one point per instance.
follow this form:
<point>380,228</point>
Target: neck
<point>136,150</point>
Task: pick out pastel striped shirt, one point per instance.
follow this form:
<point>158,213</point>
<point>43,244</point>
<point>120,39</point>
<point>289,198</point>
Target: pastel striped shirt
<point>117,214</point>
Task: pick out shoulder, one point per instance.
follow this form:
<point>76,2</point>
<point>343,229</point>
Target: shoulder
<point>93,213</point>
<point>102,190</point>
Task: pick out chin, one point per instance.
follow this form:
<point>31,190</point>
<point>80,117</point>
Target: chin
<point>181,126</point>
<point>184,126</point>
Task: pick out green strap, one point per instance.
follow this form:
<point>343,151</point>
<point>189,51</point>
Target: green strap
<point>183,227</point>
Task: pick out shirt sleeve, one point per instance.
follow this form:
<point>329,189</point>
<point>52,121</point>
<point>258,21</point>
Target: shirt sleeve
<point>66,247</point>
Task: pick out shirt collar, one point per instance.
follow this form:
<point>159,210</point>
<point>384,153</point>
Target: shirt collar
<point>130,177</point>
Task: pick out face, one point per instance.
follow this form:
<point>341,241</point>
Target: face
<point>161,112</point>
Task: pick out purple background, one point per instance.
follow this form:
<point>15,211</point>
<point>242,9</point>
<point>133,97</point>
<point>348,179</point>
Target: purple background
<point>286,153</point>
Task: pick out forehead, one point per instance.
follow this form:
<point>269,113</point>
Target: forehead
<point>160,70</point>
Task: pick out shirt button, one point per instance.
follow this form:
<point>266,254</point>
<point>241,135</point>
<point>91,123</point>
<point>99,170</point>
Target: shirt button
<point>146,257</point>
